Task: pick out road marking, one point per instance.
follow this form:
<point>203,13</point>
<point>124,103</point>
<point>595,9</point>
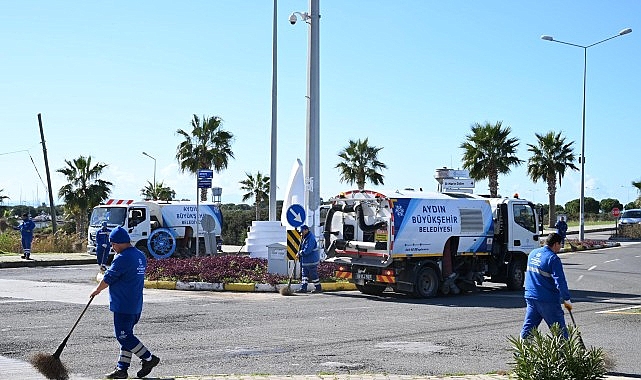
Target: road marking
<point>592,267</point>
<point>610,261</point>
<point>580,278</point>
<point>623,310</point>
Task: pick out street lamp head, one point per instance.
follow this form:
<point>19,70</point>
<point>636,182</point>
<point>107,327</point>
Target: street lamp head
<point>547,38</point>
<point>625,31</point>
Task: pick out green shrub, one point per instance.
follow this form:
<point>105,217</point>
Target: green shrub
<point>43,243</point>
<point>9,242</point>
<point>63,242</point>
<point>630,230</point>
<point>552,357</point>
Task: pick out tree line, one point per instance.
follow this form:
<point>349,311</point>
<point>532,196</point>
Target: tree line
<point>488,151</point>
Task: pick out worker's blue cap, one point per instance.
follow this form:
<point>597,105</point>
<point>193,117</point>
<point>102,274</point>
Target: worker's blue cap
<point>119,235</point>
<point>303,227</point>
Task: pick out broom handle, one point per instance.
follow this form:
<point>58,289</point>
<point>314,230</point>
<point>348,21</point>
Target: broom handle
<point>572,317</point>
<point>64,342</point>
<point>578,333</point>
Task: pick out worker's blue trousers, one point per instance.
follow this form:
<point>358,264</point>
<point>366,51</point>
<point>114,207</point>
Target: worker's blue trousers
<point>536,311</point>
<point>129,344</point>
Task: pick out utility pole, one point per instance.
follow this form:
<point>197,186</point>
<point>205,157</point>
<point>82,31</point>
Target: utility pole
<point>54,221</point>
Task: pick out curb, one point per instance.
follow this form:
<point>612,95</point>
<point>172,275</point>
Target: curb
<point>45,263</point>
<point>239,287</point>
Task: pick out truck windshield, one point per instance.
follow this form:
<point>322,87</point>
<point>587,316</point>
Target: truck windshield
<point>524,216</point>
<point>113,216</point>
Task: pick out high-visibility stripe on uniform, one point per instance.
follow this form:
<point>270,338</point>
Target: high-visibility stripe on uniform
<point>537,270</point>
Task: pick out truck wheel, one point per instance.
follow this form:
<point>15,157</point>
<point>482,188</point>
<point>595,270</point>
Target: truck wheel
<point>374,290</point>
<point>516,275</point>
<point>427,283</point>
<point>161,243</point>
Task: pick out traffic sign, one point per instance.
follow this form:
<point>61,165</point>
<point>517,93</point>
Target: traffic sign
<point>204,183</point>
<point>205,173</point>
<point>296,215</point>
<point>459,183</point>
<point>616,212</point>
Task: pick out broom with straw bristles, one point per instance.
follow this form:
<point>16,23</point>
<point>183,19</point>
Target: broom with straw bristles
<point>50,366</point>
<point>287,290</point>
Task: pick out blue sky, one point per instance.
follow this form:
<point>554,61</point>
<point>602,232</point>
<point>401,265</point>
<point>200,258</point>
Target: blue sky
<point>114,79</point>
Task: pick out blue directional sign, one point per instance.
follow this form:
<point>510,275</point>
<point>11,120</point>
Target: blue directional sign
<point>296,215</point>
<point>204,183</point>
<point>205,173</point>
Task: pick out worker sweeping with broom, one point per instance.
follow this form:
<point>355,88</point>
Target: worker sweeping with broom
<point>546,288</point>
<point>125,279</point>
<point>309,257</point>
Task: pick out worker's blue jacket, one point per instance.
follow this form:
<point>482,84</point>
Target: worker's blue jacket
<point>26,228</point>
<point>309,253</point>
<point>126,279</point>
<point>544,278</point>
<point>102,237</point>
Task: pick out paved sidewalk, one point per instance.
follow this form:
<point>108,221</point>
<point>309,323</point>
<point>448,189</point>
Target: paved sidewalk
<point>19,369</point>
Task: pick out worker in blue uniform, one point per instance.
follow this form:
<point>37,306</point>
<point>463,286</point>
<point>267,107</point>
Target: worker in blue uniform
<point>309,257</point>
<point>545,288</point>
<point>26,235</point>
<point>126,279</point>
<point>102,246</point>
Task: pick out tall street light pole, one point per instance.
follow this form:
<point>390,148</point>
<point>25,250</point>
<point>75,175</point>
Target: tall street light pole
<point>582,157</point>
<point>154,172</point>
<point>274,129</point>
<point>312,156</point>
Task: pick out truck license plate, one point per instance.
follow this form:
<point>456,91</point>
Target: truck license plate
<point>363,276</point>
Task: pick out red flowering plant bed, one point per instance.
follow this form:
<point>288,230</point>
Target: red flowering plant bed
<point>577,245</point>
<point>222,269</point>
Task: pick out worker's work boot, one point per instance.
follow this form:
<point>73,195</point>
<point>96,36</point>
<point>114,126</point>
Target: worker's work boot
<point>117,374</point>
<point>303,289</point>
<point>148,365</point>
<point>318,289</point>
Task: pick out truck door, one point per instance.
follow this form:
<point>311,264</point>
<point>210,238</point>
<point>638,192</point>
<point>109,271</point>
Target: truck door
<point>523,234</point>
<point>138,223</point>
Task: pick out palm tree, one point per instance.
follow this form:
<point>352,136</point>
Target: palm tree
<point>2,197</point>
<point>360,164</point>
<point>160,192</point>
<point>551,157</point>
<point>257,188</point>
<point>489,151</point>
<point>84,190</point>
<point>637,184</point>
<point>207,147</point>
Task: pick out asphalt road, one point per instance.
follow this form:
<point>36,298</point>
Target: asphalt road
<point>204,333</point>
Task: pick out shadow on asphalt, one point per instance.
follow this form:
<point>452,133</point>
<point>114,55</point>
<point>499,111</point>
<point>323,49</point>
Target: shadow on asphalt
<point>499,298</point>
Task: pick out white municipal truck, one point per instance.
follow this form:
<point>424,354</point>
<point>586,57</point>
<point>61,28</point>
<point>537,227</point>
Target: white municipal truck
<point>424,243</point>
<point>160,228</point>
